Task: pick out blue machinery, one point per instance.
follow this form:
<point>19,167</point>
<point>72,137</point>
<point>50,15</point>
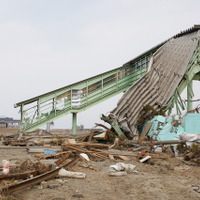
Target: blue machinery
<point>79,96</point>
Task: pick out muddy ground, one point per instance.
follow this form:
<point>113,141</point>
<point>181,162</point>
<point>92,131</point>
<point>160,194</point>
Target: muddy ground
<point>167,179</point>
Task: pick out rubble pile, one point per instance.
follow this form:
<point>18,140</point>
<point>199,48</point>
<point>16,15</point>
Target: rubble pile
<point>65,156</point>
<point>30,166</point>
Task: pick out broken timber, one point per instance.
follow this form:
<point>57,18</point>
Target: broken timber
<point>83,150</point>
<point>98,153</point>
<point>38,179</point>
<point>165,142</point>
<point>86,144</point>
<point>145,131</point>
<point>63,158</point>
<point>19,175</point>
<point>44,156</point>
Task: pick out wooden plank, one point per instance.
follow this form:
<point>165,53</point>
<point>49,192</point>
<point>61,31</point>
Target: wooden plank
<point>145,131</point>
<point>19,175</point>
<point>125,158</point>
<point>90,136</point>
<point>164,142</point>
<point>123,154</point>
<point>63,158</point>
<point>41,149</point>
<point>44,156</point>
<point>94,154</point>
<point>37,179</point>
<point>114,154</point>
<point>86,144</point>
<point>13,147</point>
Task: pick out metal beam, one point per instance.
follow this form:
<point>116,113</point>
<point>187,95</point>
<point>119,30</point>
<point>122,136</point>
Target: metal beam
<point>80,96</point>
<point>189,95</point>
<point>193,73</point>
<point>74,123</point>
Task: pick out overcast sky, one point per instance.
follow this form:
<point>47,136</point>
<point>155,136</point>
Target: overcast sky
<point>48,44</point>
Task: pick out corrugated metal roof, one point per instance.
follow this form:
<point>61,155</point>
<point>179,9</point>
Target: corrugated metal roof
<point>166,70</point>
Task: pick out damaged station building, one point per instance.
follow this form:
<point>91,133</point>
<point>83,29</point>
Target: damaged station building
<point>151,128</point>
<point>152,82</point>
<point>6,122</point>
<point>146,107</point>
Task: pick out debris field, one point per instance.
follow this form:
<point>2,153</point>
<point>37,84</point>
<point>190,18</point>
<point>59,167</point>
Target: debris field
<point>63,166</point>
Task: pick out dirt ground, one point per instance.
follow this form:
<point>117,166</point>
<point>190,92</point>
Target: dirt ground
<point>167,179</point>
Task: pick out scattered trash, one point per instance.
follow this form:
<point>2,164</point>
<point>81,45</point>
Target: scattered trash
<point>43,185</point>
<point>145,159</point>
<point>116,142</point>
<point>125,158</point>
<point>123,173</point>
<point>140,128</point>
<point>190,138</point>
<point>37,179</point>
<point>143,152</point>
<point>117,167</point>
<point>129,168</point>
<point>84,156</point>
<point>53,186</point>
<point>49,151</point>
<point>6,167</point>
<point>111,157</point>
<point>65,173</point>
<point>87,166</point>
<point>196,188</point>
<point>79,196</point>
<point>158,149</point>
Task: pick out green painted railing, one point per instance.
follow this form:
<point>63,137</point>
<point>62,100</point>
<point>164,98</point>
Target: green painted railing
<point>77,97</point>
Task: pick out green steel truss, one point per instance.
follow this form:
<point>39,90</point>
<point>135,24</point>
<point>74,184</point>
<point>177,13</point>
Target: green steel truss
<point>192,73</point>
<point>78,97</point>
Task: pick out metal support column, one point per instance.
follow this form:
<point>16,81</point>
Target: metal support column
<point>48,126</point>
<point>22,117</point>
<point>74,123</point>
<point>189,95</point>
<point>38,108</point>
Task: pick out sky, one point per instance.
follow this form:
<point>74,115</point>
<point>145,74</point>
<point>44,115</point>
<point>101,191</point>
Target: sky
<point>48,44</point>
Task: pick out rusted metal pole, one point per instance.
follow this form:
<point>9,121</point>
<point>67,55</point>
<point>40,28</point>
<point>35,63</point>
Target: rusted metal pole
<point>189,96</point>
<point>165,142</point>
<point>37,179</point>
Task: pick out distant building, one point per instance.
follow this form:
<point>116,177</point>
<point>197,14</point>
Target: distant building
<point>6,122</point>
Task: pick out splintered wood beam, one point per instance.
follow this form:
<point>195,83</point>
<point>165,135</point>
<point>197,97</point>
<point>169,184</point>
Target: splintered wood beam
<point>19,175</point>
<point>63,158</point>
<point>87,144</point>
<point>92,153</point>
<point>164,142</point>
<point>38,179</point>
<point>43,156</point>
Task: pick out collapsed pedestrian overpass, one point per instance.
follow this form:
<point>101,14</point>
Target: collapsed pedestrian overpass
<point>155,78</point>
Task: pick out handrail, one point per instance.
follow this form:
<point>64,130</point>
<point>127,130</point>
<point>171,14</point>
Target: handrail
<point>80,96</point>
